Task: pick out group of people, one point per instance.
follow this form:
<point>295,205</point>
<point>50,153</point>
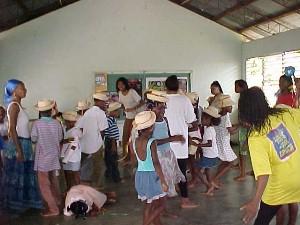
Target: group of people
<point>165,135</point>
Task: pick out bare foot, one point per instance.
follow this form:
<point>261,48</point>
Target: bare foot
<point>50,214</point>
<point>240,178</point>
<point>188,204</point>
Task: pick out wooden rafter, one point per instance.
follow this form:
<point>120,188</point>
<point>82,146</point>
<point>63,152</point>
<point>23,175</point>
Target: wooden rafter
<point>235,7</point>
<point>271,17</point>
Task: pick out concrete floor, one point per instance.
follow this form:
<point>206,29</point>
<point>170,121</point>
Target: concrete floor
<point>221,209</point>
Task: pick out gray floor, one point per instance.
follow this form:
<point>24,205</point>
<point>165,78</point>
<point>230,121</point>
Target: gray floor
<point>221,209</point>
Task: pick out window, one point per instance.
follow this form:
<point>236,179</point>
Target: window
<point>264,72</point>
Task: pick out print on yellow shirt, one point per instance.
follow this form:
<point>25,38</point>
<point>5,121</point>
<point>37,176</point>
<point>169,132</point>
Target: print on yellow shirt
<point>283,142</point>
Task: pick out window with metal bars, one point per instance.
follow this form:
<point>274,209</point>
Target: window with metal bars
<point>265,71</point>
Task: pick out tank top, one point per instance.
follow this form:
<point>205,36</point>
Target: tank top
<point>147,164</point>
<point>161,131</point>
<point>22,122</point>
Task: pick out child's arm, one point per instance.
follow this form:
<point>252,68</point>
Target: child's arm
<point>175,138</point>
<point>158,167</point>
<point>233,129</point>
<point>207,144</point>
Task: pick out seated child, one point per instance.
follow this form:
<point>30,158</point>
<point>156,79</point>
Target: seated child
<point>47,134</point>
<point>82,200</point>
<point>71,150</point>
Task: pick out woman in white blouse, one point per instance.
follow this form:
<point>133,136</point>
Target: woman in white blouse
<point>132,104</point>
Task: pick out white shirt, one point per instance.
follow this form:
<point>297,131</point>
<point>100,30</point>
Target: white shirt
<point>130,100</point>
<point>22,122</point>
<point>180,113</point>
<point>210,134</point>
<point>92,122</point>
<point>84,193</point>
<point>4,128</point>
<point>67,152</point>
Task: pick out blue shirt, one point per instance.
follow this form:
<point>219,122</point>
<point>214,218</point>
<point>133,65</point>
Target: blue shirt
<point>112,131</point>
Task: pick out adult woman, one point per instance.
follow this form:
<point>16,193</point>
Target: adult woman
<point>19,181</point>
<point>274,148</point>
<point>132,104</point>
<point>217,92</point>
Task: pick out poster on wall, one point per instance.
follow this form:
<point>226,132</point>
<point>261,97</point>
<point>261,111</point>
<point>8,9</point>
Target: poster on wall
<point>100,82</point>
<point>158,83</point>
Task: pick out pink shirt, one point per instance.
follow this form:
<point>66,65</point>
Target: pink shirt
<point>47,133</point>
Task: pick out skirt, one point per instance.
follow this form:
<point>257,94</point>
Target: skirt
<point>19,181</point>
<point>171,171</point>
<point>205,162</point>
<point>148,187</point>
<point>71,166</point>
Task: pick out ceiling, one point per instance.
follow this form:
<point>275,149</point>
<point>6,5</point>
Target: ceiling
<point>254,19</point>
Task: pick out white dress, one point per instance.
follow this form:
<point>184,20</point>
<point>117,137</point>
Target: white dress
<point>223,140</point>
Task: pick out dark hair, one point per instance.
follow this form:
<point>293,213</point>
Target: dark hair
<point>217,84</point>
<point>242,84</point>
<point>172,83</point>
<point>46,113</point>
<point>78,208</point>
<point>214,121</point>
<point>255,110</point>
<point>287,79</point>
<point>124,81</point>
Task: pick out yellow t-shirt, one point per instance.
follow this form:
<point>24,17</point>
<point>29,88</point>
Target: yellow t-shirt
<point>277,153</point>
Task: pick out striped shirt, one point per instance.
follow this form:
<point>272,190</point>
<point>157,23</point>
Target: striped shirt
<point>47,133</point>
<point>112,131</point>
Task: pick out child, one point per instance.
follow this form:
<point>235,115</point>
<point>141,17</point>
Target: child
<point>223,131</point>
<point>240,86</point>
<point>71,150</point>
<point>209,119</point>
<point>47,134</point>
<point>111,137</point>
<point>82,200</point>
<point>194,138</point>
<point>161,133</point>
<point>150,183</point>
<point>286,94</point>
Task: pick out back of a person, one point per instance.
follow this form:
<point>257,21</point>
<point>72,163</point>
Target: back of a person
<point>210,152</point>
<point>49,135</point>
<point>160,132</point>
<point>281,157</point>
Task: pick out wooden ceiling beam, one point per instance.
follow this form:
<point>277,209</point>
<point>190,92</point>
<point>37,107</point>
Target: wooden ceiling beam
<point>235,7</point>
<point>271,17</point>
<point>34,14</point>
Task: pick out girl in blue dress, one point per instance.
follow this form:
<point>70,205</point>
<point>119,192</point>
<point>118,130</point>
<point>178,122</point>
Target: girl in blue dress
<point>150,183</point>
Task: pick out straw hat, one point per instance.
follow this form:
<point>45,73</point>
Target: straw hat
<point>212,111</point>
<point>82,105</point>
<point>44,105</point>
<point>113,106</point>
<point>157,98</point>
<point>225,101</point>
<point>70,116</point>
<point>100,96</point>
<point>160,93</point>
<point>144,120</point>
<point>193,96</point>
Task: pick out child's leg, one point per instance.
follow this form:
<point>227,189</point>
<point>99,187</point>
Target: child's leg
<point>293,212</point>
<point>191,162</point>
<point>55,188</point>
<point>203,179</point>
<point>68,177</point>
<point>156,208</point>
<point>107,157</point>
<point>147,212</point>
<point>242,175</point>
<point>45,187</point>
<point>281,215</point>
<point>115,167</point>
<point>76,177</point>
<point>223,168</point>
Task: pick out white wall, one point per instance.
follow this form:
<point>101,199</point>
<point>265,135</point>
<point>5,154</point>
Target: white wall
<point>56,55</point>
<point>287,41</point>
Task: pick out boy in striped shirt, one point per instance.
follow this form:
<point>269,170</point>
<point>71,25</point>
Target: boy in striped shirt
<point>111,136</point>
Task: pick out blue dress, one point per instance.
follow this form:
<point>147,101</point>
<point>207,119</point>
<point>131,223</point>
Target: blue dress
<point>147,182</point>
